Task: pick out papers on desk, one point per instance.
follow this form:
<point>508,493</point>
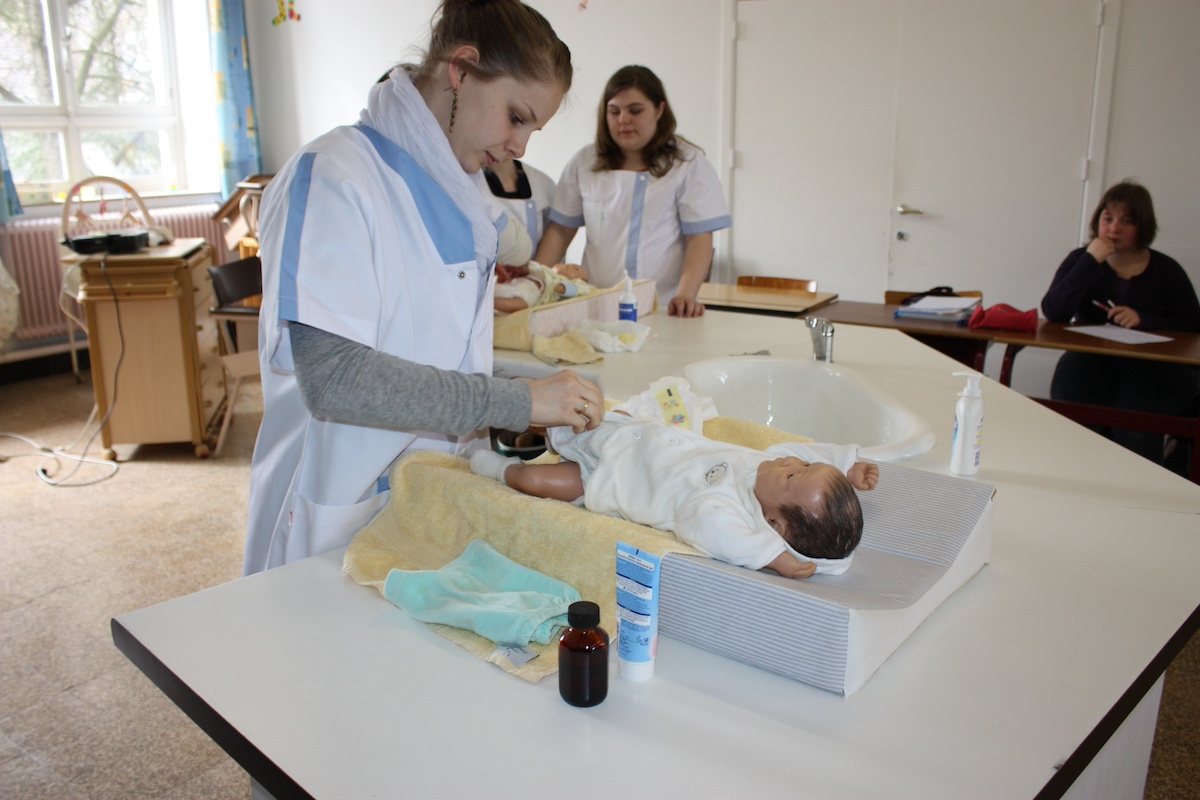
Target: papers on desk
<point>950,309</point>
<point>1115,333</point>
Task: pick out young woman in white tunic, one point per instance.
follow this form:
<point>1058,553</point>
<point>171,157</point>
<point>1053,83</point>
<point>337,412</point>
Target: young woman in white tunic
<point>522,192</point>
<point>648,199</point>
<point>378,254</point>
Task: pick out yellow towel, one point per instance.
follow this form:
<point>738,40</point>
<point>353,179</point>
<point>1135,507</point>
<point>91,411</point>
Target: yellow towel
<point>438,507</point>
<point>570,348</point>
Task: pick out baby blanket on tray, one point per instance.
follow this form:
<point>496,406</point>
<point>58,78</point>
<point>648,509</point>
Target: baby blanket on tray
<point>438,508</point>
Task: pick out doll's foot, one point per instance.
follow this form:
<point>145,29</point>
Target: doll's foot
<point>490,464</point>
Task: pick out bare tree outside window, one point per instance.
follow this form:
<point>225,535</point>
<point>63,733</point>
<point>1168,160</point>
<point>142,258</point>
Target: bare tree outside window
<point>86,88</point>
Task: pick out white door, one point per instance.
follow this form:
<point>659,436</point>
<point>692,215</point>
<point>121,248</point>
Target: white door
<point>992,118</point>
<point>975,112</point>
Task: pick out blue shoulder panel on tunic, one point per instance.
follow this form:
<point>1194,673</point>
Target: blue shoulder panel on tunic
<point>447,225</point>
<point>705,225</point>
<point>290,257</point>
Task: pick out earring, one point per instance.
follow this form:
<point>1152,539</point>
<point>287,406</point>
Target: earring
<point>453,109</point>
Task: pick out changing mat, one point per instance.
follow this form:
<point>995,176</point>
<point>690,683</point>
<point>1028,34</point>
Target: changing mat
<point>516,331</point>
<point>438,507</point>
<point>924,536</point>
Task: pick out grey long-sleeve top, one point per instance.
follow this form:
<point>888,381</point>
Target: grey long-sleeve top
<point>344,381</point>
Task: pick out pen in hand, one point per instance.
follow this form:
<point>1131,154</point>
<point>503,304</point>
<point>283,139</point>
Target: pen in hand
<point>1105,307</point>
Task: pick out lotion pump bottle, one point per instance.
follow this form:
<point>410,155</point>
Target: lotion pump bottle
<point>968,427</point>
<point>627,308</point>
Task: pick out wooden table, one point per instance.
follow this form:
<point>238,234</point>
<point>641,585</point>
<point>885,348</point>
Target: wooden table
<point>1184,348</point>
<point>760,300</point>
<point>956,341</point>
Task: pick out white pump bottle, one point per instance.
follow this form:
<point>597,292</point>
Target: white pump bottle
<point>968,427</point>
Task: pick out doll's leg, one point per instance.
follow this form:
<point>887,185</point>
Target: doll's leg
<point>561,481</point>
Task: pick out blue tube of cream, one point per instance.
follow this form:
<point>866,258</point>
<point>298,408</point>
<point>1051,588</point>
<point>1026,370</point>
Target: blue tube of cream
<point>637,612</point>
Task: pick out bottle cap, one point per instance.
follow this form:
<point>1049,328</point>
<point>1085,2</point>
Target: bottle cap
<point>583,614</point>
<point>635,670</point>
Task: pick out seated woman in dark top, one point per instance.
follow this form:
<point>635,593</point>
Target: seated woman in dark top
<point>1117,278</point>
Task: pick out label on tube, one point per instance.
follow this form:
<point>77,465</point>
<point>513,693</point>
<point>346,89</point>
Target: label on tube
<point>637,611</point>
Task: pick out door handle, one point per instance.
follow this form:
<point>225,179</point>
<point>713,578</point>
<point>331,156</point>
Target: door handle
<point>903,209</point>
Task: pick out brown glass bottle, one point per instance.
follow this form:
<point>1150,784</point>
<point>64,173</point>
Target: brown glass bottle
<point>583,656</point>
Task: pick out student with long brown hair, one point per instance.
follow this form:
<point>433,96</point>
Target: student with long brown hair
<point>648,198</point>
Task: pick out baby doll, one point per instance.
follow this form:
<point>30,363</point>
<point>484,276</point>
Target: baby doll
<point>534,285</point>
<point>796,514</point>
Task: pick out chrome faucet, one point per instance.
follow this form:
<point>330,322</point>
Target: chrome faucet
<point>822,338</point>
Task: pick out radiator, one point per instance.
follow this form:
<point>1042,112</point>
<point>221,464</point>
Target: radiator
<point>30,250</point>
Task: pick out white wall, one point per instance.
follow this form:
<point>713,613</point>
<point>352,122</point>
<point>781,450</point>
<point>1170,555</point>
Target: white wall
<point>312,75</point>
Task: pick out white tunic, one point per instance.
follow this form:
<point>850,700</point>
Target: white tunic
<point>530,213</point>
<point>387,247</point>
<point>637,222</point>
<point>675,479</point>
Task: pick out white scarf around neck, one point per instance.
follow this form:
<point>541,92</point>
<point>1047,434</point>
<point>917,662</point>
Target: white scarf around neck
<point>397,111</point>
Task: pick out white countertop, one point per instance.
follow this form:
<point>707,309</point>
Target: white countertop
<point>1092,572</point>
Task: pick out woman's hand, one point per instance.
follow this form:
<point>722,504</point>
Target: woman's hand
<point>1100,249</point>
<point>789,566</point>
<point>1124,316</point>
<point>566,398</point>
<point>863,476</point>
<point>681,306</point>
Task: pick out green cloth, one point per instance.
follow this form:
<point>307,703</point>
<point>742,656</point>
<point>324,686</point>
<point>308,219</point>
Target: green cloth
<point>485,592</point>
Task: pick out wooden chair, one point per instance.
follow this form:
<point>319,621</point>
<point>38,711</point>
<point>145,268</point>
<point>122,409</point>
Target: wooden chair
<point>237,280</point>
<point>970,352</point>
<point>798,284</point>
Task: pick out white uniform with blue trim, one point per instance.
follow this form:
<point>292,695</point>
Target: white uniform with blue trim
<point>637,222</point>
<point>374,233</point>
<point>530,213</point>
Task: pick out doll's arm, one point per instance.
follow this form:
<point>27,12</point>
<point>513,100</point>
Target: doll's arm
<point>789,566</point>
<point>508,305</point>
<point>863,476</point>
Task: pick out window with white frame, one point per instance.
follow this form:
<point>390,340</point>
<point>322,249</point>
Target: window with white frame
<point>121,88</point>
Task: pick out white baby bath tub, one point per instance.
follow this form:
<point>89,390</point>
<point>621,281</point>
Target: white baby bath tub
<point>823,401</point>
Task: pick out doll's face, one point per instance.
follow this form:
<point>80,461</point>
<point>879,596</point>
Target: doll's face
<point>791,481</point>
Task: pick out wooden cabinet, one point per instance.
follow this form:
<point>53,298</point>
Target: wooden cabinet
<point>156,371</point>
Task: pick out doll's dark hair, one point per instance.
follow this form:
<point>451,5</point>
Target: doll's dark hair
<point>1135,199</point>
<point>835,531</point>
<point>662,151</point>
<point>513,41</point>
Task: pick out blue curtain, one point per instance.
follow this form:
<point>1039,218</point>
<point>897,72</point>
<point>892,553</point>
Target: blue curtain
<point>240,153</point>
<point>10,204</point>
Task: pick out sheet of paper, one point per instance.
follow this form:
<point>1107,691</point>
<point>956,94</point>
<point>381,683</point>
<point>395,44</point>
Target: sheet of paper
<point>1116,333</point>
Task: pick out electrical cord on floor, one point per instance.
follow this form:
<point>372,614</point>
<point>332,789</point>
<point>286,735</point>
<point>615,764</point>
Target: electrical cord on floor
<point>53,454</point>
